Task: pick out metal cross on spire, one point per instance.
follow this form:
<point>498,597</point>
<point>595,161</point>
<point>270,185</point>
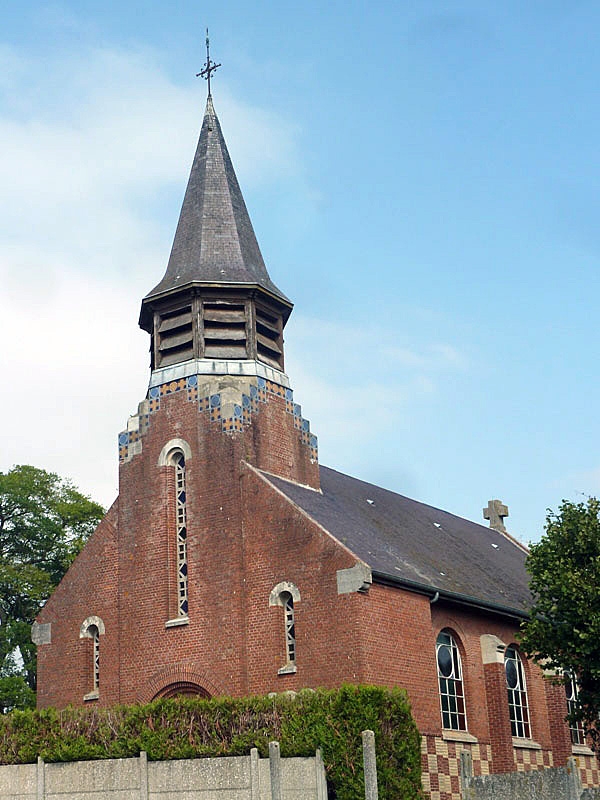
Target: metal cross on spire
<point>209,67</point>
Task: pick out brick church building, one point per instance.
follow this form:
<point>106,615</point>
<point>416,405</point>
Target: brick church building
<point>233,563</point>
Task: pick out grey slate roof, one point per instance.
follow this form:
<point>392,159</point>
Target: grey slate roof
<point>214,241</point>
<point>416,545</point>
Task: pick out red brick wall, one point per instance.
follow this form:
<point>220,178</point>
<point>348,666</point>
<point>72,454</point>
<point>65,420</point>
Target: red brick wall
<point>399,647</point>
<point>282,544</point>
<point>560,734</point>
<point>89,588</point>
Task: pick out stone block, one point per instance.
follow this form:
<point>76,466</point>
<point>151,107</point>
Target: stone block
<point>41,633</point>
<point>354,579</point>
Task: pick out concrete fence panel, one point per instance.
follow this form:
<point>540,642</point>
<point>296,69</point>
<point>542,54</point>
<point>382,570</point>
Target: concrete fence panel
<point>234,778</point>
<point>18,782</point>
<point>118,779</point>
<point>210,778</point>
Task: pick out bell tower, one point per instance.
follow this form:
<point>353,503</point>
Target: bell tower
<point>216,323</point>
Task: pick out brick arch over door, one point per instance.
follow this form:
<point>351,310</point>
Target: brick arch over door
<point>179,679</point>
<point>182,689</point>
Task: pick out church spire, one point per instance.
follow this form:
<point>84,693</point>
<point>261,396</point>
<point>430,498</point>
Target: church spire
<point>215,240</point>
<point>216,299</point>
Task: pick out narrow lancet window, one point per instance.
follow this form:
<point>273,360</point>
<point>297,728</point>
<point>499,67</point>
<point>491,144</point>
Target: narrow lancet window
<point>287,602</point>
<point>92,628</point>
<point>95,636</point>
<point>286,595</point>
<point>181,535</point>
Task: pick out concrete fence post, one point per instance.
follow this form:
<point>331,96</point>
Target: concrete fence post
<point>254,775</point>
<point>41,779</point>
<point>143,762</point>
<point>466,774</point>
<point>275,770</point>
<point>574,787</point>
<point>321,779</point>
<point>370,765</point>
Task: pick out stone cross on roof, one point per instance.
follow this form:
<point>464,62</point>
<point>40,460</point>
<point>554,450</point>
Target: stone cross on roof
<point>495,512</point>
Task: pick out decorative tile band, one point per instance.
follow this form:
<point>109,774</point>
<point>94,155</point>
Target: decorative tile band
<point>230,406</point>
<point>440,761</point>
<point>526,759</point>
<point>588,769</point>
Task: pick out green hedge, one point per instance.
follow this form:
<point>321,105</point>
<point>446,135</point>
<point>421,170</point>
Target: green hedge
<point>192,728</point>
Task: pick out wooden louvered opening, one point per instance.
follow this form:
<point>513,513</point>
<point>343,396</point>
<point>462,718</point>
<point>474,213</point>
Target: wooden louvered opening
<point>225,332</point>
<point>175,337</point>
<point>269,344</point>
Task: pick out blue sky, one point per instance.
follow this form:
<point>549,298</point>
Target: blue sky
<point>423,180</point>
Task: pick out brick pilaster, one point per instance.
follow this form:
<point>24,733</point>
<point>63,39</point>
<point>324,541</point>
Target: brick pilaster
<point>492,653</point>
<point>560,734</point>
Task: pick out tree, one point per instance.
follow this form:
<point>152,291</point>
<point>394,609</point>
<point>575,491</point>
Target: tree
<point>563,631</point>
<point>44,523</point>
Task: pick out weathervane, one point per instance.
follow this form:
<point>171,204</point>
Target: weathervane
<point>209,67</point>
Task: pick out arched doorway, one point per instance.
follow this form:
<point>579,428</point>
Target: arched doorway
<point>182,689</point>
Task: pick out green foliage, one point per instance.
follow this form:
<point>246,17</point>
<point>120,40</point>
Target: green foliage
<point>563,632</point>
<point>44,522</point>
<point>191,728</point>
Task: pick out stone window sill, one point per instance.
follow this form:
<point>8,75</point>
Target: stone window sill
<point>91,696</point>
<point>526,744</point>
<point>582,750</point>
<point>289,669</point>
<point>175,623</point>
<point>458,736</point>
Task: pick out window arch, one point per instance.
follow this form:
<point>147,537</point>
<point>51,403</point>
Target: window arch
<point>572,693</point>
<point>450,681</point>
<point>516,685</point>
<point>285,594</point>
<point>92,628</point>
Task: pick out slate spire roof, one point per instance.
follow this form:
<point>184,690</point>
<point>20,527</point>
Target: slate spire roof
<point>214,242</point>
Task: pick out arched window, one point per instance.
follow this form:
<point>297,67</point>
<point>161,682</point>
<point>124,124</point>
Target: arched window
<point>95,635</point>
<point>175,455</point>
<point>92,628</point>
<point>572,693</point>
<point>517,694</point>
<point>285,594</point>
<point>287,602</point>
<point>178,461</point>
<point>452,695</point>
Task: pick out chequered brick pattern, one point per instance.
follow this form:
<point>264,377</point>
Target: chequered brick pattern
<point>235,423</point>
<point>440,763</point>
<point>588,769</point>
<point>526,759</point>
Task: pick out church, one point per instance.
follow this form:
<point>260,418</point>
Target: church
<point>233,563</point>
